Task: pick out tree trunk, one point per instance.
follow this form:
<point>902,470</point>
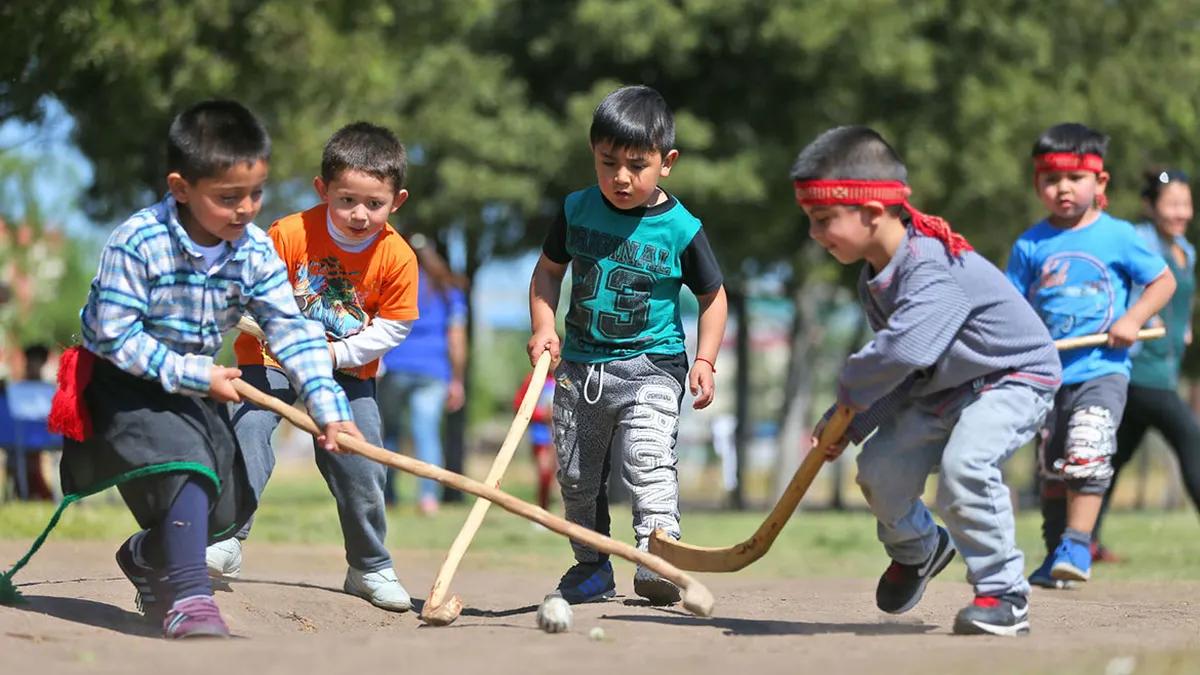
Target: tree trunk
<point>797,392</point>
<point>743,434</point>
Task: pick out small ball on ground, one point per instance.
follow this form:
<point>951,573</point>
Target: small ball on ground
<point>554,615</point>
<point>596,634</point>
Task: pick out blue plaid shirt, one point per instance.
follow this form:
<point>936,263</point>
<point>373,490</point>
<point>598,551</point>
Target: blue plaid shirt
<point>156,311</point>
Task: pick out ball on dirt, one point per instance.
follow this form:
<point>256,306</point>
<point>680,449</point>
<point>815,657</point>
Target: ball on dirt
<point>596,634</point>
<point>554,615</point>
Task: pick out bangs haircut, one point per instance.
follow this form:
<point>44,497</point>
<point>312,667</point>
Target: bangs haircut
<point>1071,137</point>
<point>368,148</point>
<point>850,153</point>
<point>635,117</point>
<point>212,136</point>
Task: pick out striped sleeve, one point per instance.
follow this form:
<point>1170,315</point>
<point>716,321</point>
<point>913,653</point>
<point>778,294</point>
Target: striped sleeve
<point>115,327</point>
<point>298,343</point>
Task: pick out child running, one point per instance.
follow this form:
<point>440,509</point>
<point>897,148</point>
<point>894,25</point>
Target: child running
<point>630,245</point>
<point>959,375</point>
<point>356,278</point>
<point>1077,268</point>
<point>173,278</point>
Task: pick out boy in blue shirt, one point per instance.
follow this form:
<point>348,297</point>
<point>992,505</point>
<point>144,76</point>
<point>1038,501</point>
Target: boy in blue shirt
<point>1076,268</point>
<point>631,245</point>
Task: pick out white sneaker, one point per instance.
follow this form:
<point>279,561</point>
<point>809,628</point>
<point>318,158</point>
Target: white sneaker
<point>224,559</point>
<point>380,588</point>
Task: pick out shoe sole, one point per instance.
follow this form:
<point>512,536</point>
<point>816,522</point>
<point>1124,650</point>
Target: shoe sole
<point>974,627</point>
<point>1069,572</point>
<point>599,597</point>
<point>947,556</point>
<point>1053,584</point>
<point>659,592</point>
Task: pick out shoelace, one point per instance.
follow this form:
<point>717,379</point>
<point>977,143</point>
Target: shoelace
<point>198,608</point>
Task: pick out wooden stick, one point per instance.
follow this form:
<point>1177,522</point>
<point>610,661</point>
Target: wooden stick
<point>1097,339</point>
<point>733,558</point>
<point>437,611</point>
<point>696,598</point>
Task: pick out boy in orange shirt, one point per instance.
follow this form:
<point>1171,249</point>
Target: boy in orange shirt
<point>353,274</point>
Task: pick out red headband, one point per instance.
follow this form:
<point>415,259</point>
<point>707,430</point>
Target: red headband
<point>886,192</point>
<point>1069,161</point>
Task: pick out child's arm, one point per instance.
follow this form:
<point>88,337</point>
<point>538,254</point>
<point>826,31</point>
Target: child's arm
<point>714,309</point>
<point>456,346</point>
<point>376,339</point>
<point>544,289</point>
<point>1155,296</point>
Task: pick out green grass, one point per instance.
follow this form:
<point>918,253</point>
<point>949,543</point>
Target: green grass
<point>1160,545</point>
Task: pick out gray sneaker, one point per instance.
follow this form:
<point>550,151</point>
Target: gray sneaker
<point>654,588</point>
<point>381,588</point>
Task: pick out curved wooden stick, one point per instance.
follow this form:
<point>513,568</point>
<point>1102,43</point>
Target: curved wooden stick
<point>696,598</point>
<point>437,611</point>
<point>1097,339</point>
<point>733,558</point>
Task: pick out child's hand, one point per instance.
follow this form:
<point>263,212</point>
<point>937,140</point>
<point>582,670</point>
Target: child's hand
<point>835,449</point>
<point>1123,333</point>
<point>539,343</point>
<point>220,385</point>
<point>328,440</point>
<point>700,381</point>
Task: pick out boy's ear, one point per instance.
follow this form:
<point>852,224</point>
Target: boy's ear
<point>668,162</point>
<point>321,188</point>
<point>178,186</point>
<point>401,197</point>
<point>873,210</point>
<point>1102,181</point>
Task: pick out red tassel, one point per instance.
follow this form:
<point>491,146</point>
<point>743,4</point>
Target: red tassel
<point>938,228</point>
<point>69,415</point>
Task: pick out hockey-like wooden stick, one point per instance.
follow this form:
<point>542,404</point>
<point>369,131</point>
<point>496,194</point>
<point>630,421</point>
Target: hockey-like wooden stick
<point>438,611</point>
<point>1097,339</point>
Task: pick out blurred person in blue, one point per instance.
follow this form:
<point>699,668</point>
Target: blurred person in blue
<point>424,376</point>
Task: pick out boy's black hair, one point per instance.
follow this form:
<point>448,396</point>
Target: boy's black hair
<point>1071,137</point>
<point>368,148</point>
<point>636,117</point>
<point>1157,178</point>
<point>212,136</point>
<point>850,152</point>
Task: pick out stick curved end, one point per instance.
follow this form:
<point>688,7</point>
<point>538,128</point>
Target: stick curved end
<point>697,599</point>
<point>443,614</point>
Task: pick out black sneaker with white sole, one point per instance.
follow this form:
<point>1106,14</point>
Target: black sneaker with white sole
<point>1006,615</point>
<point>901,586</point>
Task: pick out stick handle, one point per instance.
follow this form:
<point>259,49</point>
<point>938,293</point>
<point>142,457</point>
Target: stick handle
<point>249,327</point>
<point>696,598</point>
<point>1097,339</point>
<point>441,584</point>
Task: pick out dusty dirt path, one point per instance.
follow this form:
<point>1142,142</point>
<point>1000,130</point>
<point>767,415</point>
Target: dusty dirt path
<point>290,617</point>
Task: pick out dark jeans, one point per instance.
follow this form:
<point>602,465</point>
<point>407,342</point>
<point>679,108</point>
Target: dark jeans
<point>1164,410</point>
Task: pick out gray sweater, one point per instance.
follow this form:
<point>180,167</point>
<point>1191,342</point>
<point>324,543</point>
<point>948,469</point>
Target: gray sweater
<point>940,323</point>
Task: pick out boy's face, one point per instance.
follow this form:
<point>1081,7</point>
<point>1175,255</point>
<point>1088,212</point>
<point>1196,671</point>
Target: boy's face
<point>359,203</point>
<point>219,208</point>
<point>844,231</point>
<point>628,177</point>
<point>1068,195</point>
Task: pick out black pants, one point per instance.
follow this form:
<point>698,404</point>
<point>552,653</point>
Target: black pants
<point>1164,410</point>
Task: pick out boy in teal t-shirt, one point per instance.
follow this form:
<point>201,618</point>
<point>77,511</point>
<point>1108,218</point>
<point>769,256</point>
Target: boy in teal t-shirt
<point>631,246</point>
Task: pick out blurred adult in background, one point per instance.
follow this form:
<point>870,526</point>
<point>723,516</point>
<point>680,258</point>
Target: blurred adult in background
<point>1153,400</point>
<point>29,399</point>
<point>424,376</point>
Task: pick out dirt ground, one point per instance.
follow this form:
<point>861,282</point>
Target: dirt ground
<point>290,616</point>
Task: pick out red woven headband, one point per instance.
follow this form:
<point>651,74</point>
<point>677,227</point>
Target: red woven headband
<point>887,193</point>
<point>1068,161</point>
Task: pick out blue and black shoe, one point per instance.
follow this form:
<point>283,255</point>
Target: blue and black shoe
<point>587,582</point>
<point>1072,561</point>
<point>1043,578</point>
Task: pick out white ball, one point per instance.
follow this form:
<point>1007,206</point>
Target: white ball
<point>596,634</point>
<point>554,615</point>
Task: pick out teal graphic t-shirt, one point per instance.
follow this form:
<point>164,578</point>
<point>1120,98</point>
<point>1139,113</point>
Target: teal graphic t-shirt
<point>627,268</point>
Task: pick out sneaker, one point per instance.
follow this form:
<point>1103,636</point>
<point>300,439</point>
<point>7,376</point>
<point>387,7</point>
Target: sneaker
<point>192,617</point>
<point>901,586</point>
<point>224,559</point>
<point>1006,615</point>
<point>153,594</point>
<point>380,588</point>
<point>654,588</point>
<point>586,582</point>
<point>1042,577</point>
<point>1072,561</point>
<point>1102,554</point>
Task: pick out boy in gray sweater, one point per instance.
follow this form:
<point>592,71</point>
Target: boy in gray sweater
<point>960,373</point>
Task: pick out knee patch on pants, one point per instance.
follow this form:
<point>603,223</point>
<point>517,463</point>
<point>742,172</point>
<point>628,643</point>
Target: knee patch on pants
<point>1090,443</point>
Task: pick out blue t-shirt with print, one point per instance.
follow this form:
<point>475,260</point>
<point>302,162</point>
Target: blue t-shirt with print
<point>1079,283</point>
<point>425,351</point>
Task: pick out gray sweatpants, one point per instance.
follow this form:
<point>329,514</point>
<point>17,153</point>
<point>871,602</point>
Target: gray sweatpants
<point>355,482</point>
<point>629,407</point>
